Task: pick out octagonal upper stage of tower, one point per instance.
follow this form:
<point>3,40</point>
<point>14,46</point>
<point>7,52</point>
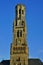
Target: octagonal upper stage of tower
<point>20,8</point>
<point>20,5</point>
<point>20,14</point>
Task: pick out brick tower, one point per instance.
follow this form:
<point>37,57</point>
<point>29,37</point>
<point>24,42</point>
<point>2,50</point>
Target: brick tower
<point>19,49</point>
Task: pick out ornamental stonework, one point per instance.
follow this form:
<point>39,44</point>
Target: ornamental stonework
<point>19,48</point>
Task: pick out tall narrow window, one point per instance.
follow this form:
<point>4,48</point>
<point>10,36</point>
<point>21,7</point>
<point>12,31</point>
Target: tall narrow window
<point>22,11</point>
<point>16,22</point>
<point>18,33</point>
<point>19,11</point>
<point>22,23</point>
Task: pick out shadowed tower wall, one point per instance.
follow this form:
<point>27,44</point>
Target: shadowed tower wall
<point>19,48</point>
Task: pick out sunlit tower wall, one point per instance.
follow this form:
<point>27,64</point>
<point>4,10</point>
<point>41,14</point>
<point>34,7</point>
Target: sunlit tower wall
<point>19,47</point>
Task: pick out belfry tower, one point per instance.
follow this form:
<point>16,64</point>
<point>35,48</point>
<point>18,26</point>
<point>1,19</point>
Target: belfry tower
<point>19,48</point>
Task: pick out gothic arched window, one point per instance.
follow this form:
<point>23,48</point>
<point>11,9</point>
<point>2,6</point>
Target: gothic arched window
<point>19,33</point>
<point>19,11</point>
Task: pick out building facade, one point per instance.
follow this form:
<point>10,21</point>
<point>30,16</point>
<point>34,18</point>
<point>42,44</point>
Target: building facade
<point>19,48</point>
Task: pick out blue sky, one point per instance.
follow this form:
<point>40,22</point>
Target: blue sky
<point>34,23</point>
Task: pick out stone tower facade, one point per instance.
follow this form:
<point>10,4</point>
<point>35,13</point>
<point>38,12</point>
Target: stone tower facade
<point>19,48</point>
